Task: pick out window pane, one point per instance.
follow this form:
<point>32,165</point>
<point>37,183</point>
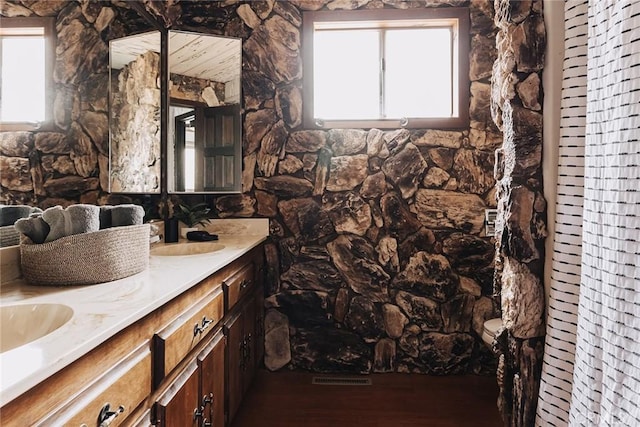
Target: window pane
<point>346,74</point>
<point>23,79</point>
<point>418,73</point>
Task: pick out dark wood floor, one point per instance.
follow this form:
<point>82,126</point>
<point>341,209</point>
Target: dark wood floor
<point>288,399</point>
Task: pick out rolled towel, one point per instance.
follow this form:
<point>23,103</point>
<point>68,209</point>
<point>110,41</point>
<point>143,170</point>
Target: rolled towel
<point>33,227</point>
<point>9,214</point>
<point>105,216</point>
<point>129,214</point>
<point>76,219</point>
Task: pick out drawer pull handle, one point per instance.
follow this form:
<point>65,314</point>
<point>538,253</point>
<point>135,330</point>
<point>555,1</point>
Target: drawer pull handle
<point>207,399</point>
<point>244,284</point>
<point>106,417</point>
<point>199,329</point>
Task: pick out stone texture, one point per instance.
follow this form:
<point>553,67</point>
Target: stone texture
<point>528,43</point>
<point>305,141</point>
<point>289,165</point>
<point>330,351</point>
<point>388,253</point>
<point>441,354</point>
<point>256,88</point>
<point>439,138</point>
<point>422,312</point>
<point>428,275</point>
<point>346,142</point>
<point>256,126</point>
<point>442,209</point>
<point>16,144</point>
<point>273,49</point>
<point>529,92</point>
<point>473,171</point>
<point>289,105</point>
<point>236,205</point>
<point>347,172</point>
<point>15,174</point>
<point>364,318</point>
<point>348,212</point>
<point>355,259</point>
<point>458,313</point>
<point>277,347</point>
<point>435,178</point>
<point>384,359</point>
<point>248,16</point>
<point>303,308</point>
<point>521,243</point>
<point>373,186</point>
<point>305,219</point>
<point>405,169</point>
<point>397,216</point>
<point>482,311</point>
<point>483,55</point>
<point>394,320</point>
<point>284,186</point>
<point>312,275</point>
<point>271,149</point>
<point>522,301</point>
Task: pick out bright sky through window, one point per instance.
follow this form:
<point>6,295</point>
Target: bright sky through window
<point>23,79</point>
<point>418,73</point>
<point>348,73</point>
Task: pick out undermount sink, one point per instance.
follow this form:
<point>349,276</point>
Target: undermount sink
<point>186,248</point>
<point>21,324</point>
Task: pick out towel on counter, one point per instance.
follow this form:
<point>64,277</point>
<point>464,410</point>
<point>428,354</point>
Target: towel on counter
<point>76,219</point>
<point>121,215</point>
<point>9,214</point>
<point>34,227</point>
<point>127,215</point>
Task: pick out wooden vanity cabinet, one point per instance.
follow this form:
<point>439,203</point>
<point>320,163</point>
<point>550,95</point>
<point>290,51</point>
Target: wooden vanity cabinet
<point>245,333</point>
<point>195,396</point>
<point>168,368</point>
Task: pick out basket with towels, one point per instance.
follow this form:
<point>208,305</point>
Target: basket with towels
<point>83,244</point>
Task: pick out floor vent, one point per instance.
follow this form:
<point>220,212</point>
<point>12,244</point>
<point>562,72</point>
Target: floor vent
<point>340,381</point>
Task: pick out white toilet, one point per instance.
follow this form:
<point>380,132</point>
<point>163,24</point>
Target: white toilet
<point>489,330</point>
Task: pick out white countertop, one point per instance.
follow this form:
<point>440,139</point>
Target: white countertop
<point>103,310</point>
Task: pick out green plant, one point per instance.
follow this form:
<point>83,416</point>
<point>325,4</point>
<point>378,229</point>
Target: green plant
<point>192,215</point>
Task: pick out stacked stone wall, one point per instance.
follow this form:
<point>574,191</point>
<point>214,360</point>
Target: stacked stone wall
<point>378,261</point>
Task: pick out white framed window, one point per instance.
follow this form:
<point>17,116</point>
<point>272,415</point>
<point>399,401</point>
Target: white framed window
<point>386,68</point>
<point>26,72</point>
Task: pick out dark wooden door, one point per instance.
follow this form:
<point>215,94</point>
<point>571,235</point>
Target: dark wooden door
<point>258,346</point>
<point>176,406</point>
<point>235,362</point>
<point>249,325</point>
<point>211,364</point>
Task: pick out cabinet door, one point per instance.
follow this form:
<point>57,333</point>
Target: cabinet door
<point>235,362</point>
<point>211,362</point>
<point>176,406</point>
<point>249,326</point>
<point>258,347</point>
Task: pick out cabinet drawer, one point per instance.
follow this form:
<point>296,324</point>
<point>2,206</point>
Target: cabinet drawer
<point>174,341</point>
<point>122,387</point>
<point>238,285</point>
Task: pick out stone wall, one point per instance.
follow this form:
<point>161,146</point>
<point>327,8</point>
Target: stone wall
<point>516,108</point>
<point>135,130</point>
<point>69,162</point>
<point>202,91</point>
<point>378,261</point>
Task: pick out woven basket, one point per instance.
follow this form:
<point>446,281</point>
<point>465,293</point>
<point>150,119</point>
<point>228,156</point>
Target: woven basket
<point>87,259</point>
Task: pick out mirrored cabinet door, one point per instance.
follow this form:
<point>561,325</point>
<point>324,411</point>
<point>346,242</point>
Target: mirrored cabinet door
<point>205,141</point>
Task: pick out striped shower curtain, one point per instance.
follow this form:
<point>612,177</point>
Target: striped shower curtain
<point>591,369</point>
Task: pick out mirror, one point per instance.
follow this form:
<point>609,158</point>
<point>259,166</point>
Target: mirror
<point>204,153</point>
<point>134,114</point>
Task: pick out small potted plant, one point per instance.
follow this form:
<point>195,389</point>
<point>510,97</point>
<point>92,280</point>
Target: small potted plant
<point>191,217</point>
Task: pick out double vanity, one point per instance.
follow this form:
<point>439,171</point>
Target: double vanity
<point>175,345</point>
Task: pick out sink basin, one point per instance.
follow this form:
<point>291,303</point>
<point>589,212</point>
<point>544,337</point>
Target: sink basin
<point>186,248</point>
<point>23,323</point>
